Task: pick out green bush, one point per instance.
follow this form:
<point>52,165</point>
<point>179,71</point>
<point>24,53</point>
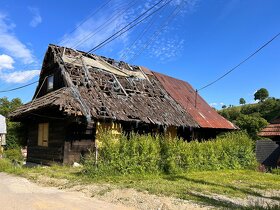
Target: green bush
<point>5,164</point>
<point>144,154</point>
<point>13,154</point>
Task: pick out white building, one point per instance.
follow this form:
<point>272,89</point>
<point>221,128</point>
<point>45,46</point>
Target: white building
<point>3,131</point>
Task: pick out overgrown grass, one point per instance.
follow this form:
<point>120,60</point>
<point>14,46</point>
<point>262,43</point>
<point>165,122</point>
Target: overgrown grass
<point>155,155</point>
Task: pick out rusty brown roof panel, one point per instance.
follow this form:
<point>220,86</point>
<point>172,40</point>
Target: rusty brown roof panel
<point>146,70</point>
<point>185,95</point>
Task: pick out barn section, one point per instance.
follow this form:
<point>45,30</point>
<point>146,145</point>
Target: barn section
<point>268,151</point>
<point>80,95</point>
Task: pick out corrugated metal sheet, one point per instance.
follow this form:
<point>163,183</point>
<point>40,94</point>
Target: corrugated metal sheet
<point>2,125</point>
<point>185,95</point>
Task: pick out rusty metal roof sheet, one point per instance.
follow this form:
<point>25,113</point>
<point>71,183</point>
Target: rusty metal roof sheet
<point>185,95</point>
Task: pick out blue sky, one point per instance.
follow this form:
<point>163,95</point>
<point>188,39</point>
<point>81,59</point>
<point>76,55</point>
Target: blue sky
<point>203,41</point>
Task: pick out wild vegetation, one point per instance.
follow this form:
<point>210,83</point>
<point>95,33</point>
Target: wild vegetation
<point>142,154</point>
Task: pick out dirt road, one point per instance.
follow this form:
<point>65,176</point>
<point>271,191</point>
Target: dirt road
<point>17,193</point>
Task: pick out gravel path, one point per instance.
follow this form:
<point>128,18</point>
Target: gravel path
<point>18,193</point>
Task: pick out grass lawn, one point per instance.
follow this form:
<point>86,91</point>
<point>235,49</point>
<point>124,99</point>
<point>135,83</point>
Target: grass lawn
<point>197,186</point>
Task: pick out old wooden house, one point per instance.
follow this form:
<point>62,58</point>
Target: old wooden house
<point>81,94</point>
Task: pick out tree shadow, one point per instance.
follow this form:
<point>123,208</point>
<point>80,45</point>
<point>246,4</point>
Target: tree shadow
<point>203,182</point>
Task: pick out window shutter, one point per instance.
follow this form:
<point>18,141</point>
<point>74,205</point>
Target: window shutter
<point>46,134</point>
<point>43,134</point>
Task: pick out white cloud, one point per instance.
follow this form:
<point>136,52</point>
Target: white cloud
<point>6,62</point>
<point>36,18</point>
<point>19,76</point>
<point>213,104</point>
<point>11,44</point>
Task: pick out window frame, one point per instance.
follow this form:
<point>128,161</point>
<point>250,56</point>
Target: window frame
<point>50,80</point>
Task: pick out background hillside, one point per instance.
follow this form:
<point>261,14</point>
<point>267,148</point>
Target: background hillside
<point>253,117</point>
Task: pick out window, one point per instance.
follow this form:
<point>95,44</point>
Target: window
<point>43,134</point>
<point>50,82</point>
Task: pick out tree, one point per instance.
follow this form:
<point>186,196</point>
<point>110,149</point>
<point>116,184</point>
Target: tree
<point>242,101</point>
<point>252,124</point>
<point>15,130</point>
<point>7,106</point>
<point>261,94</point>
<point>224,106</point>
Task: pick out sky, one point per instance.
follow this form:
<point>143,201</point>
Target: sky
<point>193,40</point>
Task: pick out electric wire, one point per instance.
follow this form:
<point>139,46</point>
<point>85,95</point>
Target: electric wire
<point>105,24</point>
<point>164,24</point>
<point>239,64</point>
<point>109,37</point>
<point>130,25</point>
<point>141,34</point>
<point>17,88</point>
<point>127,27</point>
<point>93,12</point>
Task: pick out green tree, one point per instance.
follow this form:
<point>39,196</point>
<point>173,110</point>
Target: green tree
<point>242,101</point>
<point>224,106</point>
<point>15,131</point>
<point>7,106</point>
<point>261,94</point>
<point>252,124</point>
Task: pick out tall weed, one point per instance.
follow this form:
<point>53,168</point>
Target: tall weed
<point>144,154</point>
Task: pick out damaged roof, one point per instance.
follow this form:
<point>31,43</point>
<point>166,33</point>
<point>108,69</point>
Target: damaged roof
<point>102,88</point>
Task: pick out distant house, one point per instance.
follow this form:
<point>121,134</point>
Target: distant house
<point>272,131</point>
<point>79,95</point>
<point>268,151</point>
<point>3,132</point>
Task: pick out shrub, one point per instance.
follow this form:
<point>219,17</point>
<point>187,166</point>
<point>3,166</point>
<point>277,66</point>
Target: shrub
<point>5,164</point>
<point>144,154</point>
<point>13,154</point>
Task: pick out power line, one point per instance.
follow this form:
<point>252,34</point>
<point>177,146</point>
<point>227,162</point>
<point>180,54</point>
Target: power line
<point>130,25</point>
<point>93,12</point>
<point>23,86</point>
<point>106,24</point>
<point>108,38</point>
<point>141,34</point>
<point>159,30</point>
<point>243,61</point>
<point>126,28</point>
